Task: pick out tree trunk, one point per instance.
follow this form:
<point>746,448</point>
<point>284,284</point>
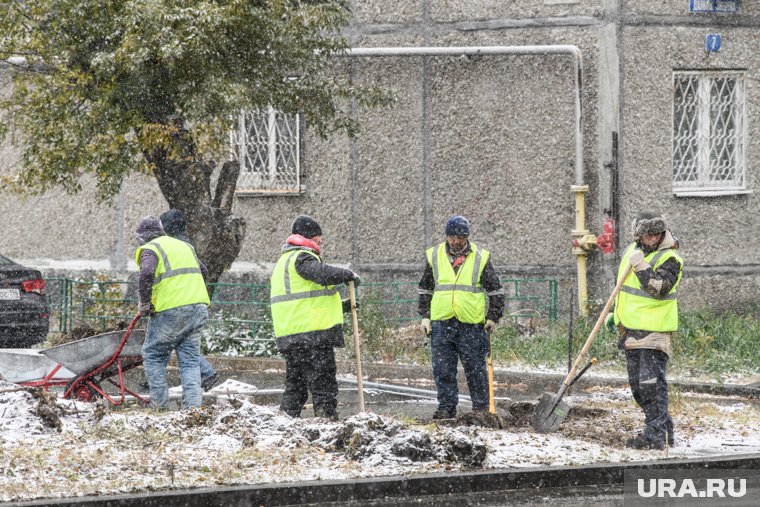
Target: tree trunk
<point>217,233</point>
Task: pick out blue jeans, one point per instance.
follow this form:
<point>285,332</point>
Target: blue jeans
<point>452,340</point>
<point>206,369</point>
<point>177,329</point>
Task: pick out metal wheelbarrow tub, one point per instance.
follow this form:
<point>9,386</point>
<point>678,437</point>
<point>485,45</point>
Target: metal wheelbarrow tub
<point>85,355</point>
<point>26,365</point>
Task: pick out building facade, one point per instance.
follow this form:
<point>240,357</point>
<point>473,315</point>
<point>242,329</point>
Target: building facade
<point>669,114</point>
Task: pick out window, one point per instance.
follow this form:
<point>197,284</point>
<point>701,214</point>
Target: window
<point>713,5</point>
<point>708,133</point>
<point>267,143</point>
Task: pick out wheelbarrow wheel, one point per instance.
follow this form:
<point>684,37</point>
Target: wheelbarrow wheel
<point>82,391</point>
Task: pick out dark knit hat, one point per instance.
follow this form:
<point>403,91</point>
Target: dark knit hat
<point>148,228</point>
<point>648,222</point>
<point>457,226</point>
<point>305,226</point>
<point>173,222</point>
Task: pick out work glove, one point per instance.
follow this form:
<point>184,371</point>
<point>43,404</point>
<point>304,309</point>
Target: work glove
<point>145,309</point>
<point>637,260</point>
<point>609,323</point>
<point>425,326</point>
<point>490,326</point>
<point>357,280</point>
<point>347,305</point>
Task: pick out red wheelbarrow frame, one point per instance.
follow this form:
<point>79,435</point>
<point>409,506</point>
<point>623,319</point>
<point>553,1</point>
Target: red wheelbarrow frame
<point>82,387</point>
<point>48,380</point>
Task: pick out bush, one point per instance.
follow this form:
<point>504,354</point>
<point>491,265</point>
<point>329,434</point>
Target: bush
<point>228,335</point>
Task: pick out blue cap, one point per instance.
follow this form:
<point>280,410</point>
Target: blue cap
<point>457,226</point>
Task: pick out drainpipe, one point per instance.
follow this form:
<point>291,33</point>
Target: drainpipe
<point>583,242</point>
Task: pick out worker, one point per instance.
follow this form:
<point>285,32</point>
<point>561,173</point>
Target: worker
<point>172,293</point>
<point>646,314</point>
<point>307,315</point>
<point>457,276</point>
<point>174,224</point>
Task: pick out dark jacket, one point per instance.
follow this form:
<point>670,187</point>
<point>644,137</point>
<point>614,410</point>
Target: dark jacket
<point>314,270</point>
<point>488,279</point>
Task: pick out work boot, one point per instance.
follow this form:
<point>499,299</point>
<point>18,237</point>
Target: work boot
<point>209,382</point>
<point>445,414</point>
<point>641,442</point>
<point>330,415</point>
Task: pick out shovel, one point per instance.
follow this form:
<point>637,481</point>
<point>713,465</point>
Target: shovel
<point>551,410</point>
<point>357,350</point>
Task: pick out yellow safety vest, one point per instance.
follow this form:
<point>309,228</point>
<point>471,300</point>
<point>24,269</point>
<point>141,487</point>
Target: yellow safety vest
<point>300,305</point>
<point>458,294</point>
<point>635,308</point>
<point>179,280</point>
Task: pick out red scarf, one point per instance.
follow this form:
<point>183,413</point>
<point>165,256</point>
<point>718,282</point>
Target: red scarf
<point>298,240</point>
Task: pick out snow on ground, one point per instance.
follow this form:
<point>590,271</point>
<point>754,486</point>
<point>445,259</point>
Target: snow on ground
<point>51,447</point>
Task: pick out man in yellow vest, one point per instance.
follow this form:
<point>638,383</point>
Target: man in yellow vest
<point>646,313</point>
<point>457,278</point>
<point>172,292</point>
<point>307,315</point>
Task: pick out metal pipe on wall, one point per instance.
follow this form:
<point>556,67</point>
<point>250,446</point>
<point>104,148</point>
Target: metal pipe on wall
<point>580,233</point>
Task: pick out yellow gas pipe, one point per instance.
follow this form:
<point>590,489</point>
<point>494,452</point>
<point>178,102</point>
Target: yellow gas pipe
<point>583,242</point>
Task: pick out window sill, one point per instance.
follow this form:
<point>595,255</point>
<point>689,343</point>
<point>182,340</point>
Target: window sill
<point>709,193</point>
<point>268,193</point>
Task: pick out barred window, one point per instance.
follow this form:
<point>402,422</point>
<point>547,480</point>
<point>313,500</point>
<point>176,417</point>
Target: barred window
<point>708,133</point>
<point>714,6</point>
<point>267,143</point>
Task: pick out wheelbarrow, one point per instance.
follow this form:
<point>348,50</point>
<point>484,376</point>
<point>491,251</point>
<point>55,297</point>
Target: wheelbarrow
<point>30,368</point>
<point>97,359</point>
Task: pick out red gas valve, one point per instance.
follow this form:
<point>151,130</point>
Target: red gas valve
<point>606,241</point>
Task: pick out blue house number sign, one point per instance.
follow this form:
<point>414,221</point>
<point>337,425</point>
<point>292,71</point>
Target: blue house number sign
<point>712,42</point>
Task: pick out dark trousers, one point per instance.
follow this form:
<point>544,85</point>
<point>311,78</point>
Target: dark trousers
<point>452,340</point>
<point>310,369</point>
<point>646,374</point>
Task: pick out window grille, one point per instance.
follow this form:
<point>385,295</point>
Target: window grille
<point>713,5</point>
<point>267,143</point>
<point>708,133</point>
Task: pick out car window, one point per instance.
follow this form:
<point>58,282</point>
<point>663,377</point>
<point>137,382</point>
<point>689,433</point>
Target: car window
<point>5,260</point>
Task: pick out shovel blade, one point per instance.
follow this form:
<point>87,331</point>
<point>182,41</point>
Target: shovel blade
<point>549,413</point>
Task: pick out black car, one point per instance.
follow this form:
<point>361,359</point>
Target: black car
<point>24,314</point>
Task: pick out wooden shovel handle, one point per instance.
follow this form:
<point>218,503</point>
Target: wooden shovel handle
<point>357,345</point>
<point>584,351</point>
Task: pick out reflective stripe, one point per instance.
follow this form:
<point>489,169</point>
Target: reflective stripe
<point>303,295</point>
<point>645,294</point>
<point>177,272</point>
<point>168,271</point>
<point>287,272</point>
<point>649,381</point>
<point>435,265</point>
<point>476,269</point>
<point>656,257</point>
<point>424,291</point>
<point>463,288</point>
<point>497,292</point>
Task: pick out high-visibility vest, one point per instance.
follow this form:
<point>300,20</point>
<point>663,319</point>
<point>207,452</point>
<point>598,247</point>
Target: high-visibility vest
<point>300,305</point>
<point>636,308</point>
<point>179,280</point>
<point>458,294</point>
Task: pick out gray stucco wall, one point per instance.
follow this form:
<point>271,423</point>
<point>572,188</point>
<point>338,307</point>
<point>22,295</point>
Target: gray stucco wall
<point>490,138</point>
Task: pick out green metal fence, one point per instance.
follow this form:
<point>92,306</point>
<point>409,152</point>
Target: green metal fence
<point>103,303</point>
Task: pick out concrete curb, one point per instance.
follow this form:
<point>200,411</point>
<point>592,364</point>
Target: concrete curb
<point>395,490</point>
